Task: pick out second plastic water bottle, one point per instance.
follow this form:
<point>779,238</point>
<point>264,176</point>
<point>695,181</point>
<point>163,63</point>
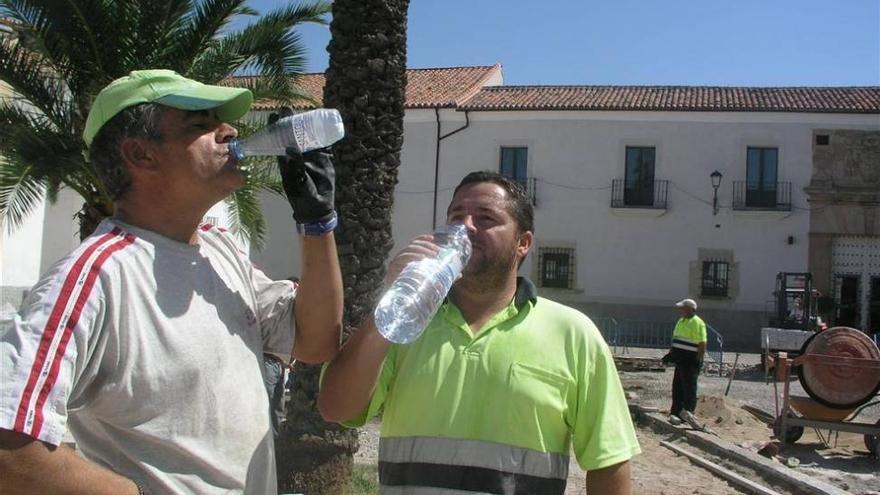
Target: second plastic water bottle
<point>408,306</point>
<point>305,131</point>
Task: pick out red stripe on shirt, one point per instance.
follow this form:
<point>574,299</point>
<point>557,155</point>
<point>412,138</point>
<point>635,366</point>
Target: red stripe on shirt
<point>52,326</point>
<point>71,325</point>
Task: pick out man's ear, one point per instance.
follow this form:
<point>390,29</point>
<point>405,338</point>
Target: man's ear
<point>524,245</point>
<point>137,154</point>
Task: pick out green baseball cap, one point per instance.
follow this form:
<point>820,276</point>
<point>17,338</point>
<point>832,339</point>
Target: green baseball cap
<point>168,88</point>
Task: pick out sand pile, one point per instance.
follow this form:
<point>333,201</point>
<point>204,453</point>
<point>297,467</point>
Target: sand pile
<point>723,411</point>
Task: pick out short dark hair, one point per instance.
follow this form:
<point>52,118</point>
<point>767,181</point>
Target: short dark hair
<point>519,204</point>
<point>139,121</point>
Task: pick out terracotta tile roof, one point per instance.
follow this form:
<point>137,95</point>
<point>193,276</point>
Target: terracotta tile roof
<point>679,98</point>
<point>425,88</point>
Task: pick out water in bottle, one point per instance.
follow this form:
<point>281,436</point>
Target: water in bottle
<point>408,306</point>
<point>305,131</point>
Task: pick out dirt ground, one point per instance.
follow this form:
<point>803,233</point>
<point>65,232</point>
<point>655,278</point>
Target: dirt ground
<point>841,459</point>
<point>838,458</point>
<point>659,471</point>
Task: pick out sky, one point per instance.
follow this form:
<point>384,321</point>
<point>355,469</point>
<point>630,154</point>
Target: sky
<point>642,42</point>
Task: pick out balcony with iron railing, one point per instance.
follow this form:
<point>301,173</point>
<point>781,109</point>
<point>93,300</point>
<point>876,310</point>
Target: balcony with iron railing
<point>651,196</point>
<point>530,185</point>
<point>773,196</point>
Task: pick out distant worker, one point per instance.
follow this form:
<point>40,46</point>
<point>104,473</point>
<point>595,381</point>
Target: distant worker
<point>688,349</point>
<point>797,309</point>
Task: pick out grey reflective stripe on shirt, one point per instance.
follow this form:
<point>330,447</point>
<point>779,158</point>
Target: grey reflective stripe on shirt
<point>424,490</point>
<point>468,465</point>
<point>684,344</point>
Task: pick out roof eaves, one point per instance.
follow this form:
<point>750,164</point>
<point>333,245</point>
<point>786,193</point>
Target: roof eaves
<point>478,85</point>
<point>576,108</point>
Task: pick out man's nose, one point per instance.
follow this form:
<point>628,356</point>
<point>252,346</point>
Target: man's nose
<point>226,132</point>
<point>468,222</point>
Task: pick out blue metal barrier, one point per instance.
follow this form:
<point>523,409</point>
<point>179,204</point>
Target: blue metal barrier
<point>643,333</point>
<point>715,345</point>
<point>623,334</point>
<point>608,328</point>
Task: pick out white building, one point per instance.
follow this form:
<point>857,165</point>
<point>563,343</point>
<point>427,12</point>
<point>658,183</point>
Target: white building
<point>627,220</point>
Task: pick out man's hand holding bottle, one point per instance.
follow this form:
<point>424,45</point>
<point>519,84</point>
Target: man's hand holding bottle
<point>309,183</point>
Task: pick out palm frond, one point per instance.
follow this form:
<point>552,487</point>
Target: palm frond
<point>20,193</point>
<point>293,15</point>
<point>263,88</point>
<point>31,79</point>
<point>245,216</point>
<point>51,156</point>
<point>268,46</point>
<point>264,175</point>
<point>57,34</point>
<point>202,26</point>
<point>30,137</point>
<point>57,55</point>
<point>53,187</point>
<point>156,40</point>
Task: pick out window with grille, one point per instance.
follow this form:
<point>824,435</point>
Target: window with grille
<point>557,267</point>
<point>715,277</point>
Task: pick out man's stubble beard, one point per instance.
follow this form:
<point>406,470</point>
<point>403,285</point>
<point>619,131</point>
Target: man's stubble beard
<point>489,274</point>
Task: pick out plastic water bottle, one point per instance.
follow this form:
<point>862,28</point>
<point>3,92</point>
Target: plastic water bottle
<point>408,306</point>
<point>305,131</point>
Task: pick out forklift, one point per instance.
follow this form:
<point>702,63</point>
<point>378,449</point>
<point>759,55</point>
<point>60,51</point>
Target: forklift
<point>795,317</point>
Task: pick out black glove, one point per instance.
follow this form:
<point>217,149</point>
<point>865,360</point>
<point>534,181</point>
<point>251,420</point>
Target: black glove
<point>667,358</point>
<point>308,180</point>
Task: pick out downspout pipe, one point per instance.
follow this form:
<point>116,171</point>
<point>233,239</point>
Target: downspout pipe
<point>440,137</point>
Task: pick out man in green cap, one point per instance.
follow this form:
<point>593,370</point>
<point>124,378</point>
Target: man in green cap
<point>146,342</point>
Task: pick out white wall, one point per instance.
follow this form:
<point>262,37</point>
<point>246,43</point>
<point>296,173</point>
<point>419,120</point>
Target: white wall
<point>47,234</point>
<point>19,266</point>
<point>624,257</point>
<point>280,258</point>
<point>60,229</point>
<point>414,193</point>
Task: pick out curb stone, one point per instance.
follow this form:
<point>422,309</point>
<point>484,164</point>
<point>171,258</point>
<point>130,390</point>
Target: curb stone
<point>771,470</point>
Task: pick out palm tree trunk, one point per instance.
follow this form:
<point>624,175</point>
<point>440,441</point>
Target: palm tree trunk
<point>91,215</point>
<point>366,82</point>
<point>313,457</point>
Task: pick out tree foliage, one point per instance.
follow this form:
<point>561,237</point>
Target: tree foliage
<point>56,56</point>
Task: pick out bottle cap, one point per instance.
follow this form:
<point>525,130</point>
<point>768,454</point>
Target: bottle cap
<point>235,150</point>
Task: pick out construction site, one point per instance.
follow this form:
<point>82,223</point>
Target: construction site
<point>800,417</point>
<point>733,449</point>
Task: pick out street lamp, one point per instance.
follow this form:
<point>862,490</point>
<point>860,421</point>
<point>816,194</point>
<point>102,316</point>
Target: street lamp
<point>716,182</point>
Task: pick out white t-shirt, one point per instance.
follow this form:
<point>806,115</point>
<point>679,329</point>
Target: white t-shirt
<point>150,351</point>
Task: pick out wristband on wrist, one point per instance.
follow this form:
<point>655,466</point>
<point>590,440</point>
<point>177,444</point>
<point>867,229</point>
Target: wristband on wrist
<point>318,228</point>
<point>141,490</point>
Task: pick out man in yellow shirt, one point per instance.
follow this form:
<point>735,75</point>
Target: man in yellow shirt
<point>503,384</point>
<point>688,348</point>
